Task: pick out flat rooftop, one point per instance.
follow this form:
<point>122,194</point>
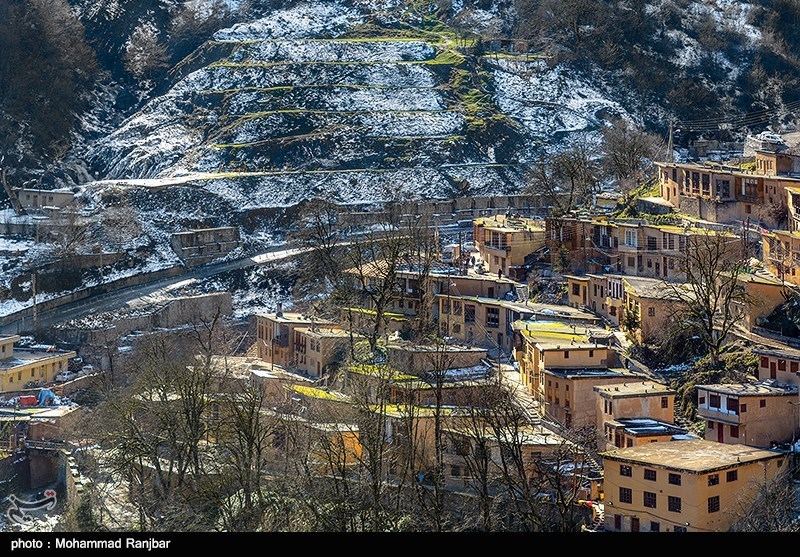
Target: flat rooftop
<point>696,456</point>
<point>25,356</point>
<point>291,317</point>
<point>629,390</point>
<point>327,332</point>
<point>527,435</point>
<point>319,394</point>
<point>785,352</point>
<point>427,348</point>
<point>10,413</point>
<point>502,223</point>
<point>589,372</point>
<point>760,278</point>
<point>558,333</point>
<point>651,288</point>
<point>750,389</point>
<point>643,427</point>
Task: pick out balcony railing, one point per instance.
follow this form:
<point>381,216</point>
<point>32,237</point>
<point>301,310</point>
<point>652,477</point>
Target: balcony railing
<point>718,414</point>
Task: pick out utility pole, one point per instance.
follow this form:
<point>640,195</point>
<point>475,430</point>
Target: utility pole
<point>670,149</point>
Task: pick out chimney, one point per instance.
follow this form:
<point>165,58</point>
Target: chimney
<point>279,310</point>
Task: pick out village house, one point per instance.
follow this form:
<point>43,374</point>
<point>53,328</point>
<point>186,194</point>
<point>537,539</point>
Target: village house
<point>569,396</point>
<point>542,344</point>
<point>650,305</point>
<point>755,414</point>
<point>411,286</point>
<point>780,252</point>
<point>488,323</point>
<point>26,367</point>
<point>781,247</point>
<point>634,400</point>
<point>320,404</point>
<point>626,246</point>
<point>456,386</point>
<point>600,294</point>
<point>276,342</point>
<point>319,349</point>
<point>506,244</point>
<point>418,359</point>
<point>410,431</point>
<point>472,455</point>
<point>727,194</point>
<point>683,486</point>
<point>763,293</point>
<point>779,364</point>
<point>631,432</point>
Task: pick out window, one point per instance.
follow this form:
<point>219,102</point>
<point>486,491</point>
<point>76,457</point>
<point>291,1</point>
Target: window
<point>701,400</point>
<point>764,361</point>
<point>493,317</point>
<point>625,470</point>
<point>631,262</point>
<point>781,365</point>
<point>651,312</point>
<point>732,476</point>
<point>710,424</point>
<point>793,367</point>
<point>733,405</point>
<point>742,408</point>
<point>713,479</point>
<point>735,431</point>
<point>625,495</point>
<point>649,499</point>
<point>455,471</point>
<point>566,354</point>
<point>762,403</point>
<point>591,353</point>
<point>617,522</point>
<point>713,504</point>
<point>675,479</point>
<point>714,401</point>
<point>649,474</point>
<point>469,313</point>
<point>576,289</point>
<point>655,526</point>
<point>674,504</point>
<point>664,402</point>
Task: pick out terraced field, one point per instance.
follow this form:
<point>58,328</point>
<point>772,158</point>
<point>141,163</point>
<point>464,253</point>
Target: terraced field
<point>275,113</point>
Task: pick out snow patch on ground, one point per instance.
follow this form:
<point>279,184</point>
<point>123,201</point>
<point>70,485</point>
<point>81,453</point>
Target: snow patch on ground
<point>322,51</point>
<point>550,101</point>
<point>306,20</point>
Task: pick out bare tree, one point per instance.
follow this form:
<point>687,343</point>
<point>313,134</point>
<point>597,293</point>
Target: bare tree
<point>567,178</point>
<point>711,298</point>
<point>773,507</point>
<point>145,53</point>
<point>374,261</point>
<point>627,153</point>
<point>70,231</point>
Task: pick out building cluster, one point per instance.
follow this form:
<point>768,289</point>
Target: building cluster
<point>623,278</point>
